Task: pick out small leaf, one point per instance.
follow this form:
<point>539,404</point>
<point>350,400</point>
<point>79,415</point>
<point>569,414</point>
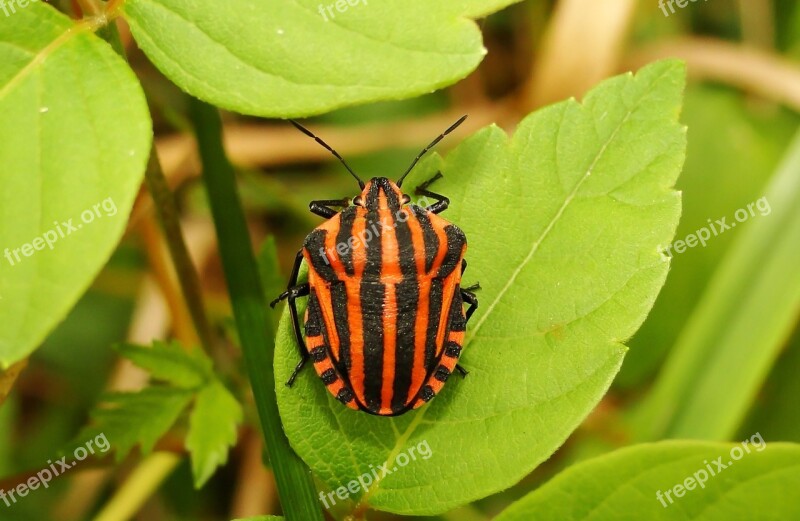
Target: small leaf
<point>130,419</point>
<point>76,134</point>
<point>292,58</point>
<point>212,430</point>
<point>565,222</point>
<point>169,362</point>
<point>625,485</point>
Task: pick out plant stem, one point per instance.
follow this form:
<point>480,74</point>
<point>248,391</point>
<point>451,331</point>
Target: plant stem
<point>167,211</point>
<point>257,334</point>
<point>139,486</point>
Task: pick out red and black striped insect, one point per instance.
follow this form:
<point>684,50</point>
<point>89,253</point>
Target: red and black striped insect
<point>385,319</point>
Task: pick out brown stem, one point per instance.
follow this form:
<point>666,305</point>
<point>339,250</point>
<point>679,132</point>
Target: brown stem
<point>167,211</point>
<point>91,7</point>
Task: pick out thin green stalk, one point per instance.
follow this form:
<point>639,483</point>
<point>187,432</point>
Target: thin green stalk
<point>256,332</point>
<point>139,486</point>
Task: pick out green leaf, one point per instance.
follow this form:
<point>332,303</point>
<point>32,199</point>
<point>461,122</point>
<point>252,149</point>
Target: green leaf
<point>740,325</point>
<point>623,485</point>
<point>169,362</point>
<point>283,58</point>
<point>130,419</point>
<point>76,135</point>
<point>564,221</point>
<point>212,430</point>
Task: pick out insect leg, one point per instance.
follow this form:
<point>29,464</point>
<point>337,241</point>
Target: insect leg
<point>301,346</point>
<point>322,207</point>
<point>475,286</point>
<point>441,203</point>
<point>469,297</point>
<point>293,292</point>
<point>293,286</point>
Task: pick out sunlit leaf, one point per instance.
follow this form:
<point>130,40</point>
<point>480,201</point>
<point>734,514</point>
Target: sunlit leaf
<point>212,430</point>
<point>296,57</point>
<point>640,482</point>
<point>75,134</point>
<point>565,222</point>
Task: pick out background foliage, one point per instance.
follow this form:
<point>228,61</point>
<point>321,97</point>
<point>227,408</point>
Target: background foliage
<point>567,204</point>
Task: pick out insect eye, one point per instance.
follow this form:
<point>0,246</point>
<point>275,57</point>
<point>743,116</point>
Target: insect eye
<point>358,201</point>
<point>406,198</point>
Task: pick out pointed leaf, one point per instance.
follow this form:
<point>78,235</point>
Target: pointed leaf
<point>130,419</point>
<point>625,485</point>
<point>289,57</point>
<point>565,223</point>
<point>212,430</point>
<point>169,362</point>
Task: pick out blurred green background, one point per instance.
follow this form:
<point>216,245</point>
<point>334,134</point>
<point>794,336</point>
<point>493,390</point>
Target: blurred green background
<point>742,117</point>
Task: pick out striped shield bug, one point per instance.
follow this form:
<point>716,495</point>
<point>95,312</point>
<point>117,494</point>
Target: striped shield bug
<point>385,319</point>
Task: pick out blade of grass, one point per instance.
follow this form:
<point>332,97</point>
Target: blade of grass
<point>735,334</point>
<point>256,332</point>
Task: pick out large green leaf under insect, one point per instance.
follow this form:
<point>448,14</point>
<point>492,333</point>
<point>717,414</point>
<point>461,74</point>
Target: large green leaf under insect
<point>565,222</point>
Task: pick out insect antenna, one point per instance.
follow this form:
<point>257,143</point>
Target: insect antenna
<point>310,134</point>
<point>433,144</point>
